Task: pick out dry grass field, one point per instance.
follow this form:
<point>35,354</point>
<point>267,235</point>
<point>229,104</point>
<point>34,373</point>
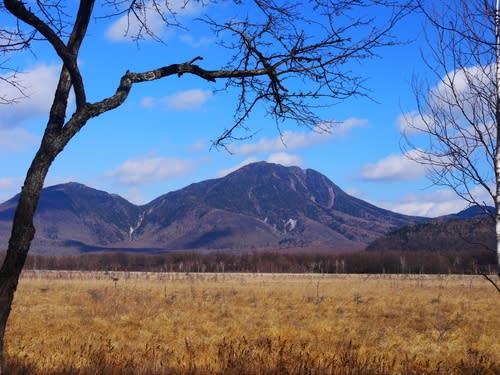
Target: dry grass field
<point>146,323</point>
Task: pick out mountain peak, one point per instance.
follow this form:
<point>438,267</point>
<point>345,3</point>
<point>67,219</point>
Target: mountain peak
<point>265,166</point>
<point>68,185</point>
<point>261,205</point>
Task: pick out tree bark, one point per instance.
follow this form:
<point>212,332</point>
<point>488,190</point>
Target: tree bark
<point>22,234</point>
<point>55,138</point>
<point>497,118</point>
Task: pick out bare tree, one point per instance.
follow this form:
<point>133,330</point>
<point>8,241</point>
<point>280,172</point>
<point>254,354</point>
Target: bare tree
<point>456,128</point>
<point>283,44</point>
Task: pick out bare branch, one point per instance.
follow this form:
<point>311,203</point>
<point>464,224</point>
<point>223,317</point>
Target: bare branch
<point>457,133</point>
<point>11,79</point>
<point>458,114</point>
<point>304,71</point>
<point>67,55</point>
<point>495,285</point>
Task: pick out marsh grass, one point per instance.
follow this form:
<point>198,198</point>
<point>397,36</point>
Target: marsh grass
<point>90,323</point>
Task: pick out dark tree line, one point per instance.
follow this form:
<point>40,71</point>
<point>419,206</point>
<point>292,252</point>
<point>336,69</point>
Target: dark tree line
<point>390,262</point>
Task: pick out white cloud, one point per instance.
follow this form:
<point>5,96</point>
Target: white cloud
<point>395,167</point>
<point>201,145</point>
<point>16,139</point>
<point>465,82</point>
<point>128,27</point>
<point>413,123</point>
<point>148,102</point>
<point>6,183</point>
<point>290,140</point>
<point>9,186</point>
<point>356,193</point>
<point>187,100</point>
<point>38,86</point>
<point>341,128</point>
<point>460,96</point>
<point>134,195</point>
<point>148,169</point>
<point>429,204</point>
<point>285,159</point>
<point>154,15</point>
<point>203,41</point>
<point>226,171</point>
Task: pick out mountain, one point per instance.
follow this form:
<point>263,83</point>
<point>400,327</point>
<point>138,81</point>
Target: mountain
<point>472,212</point>
<point>261,205</point>
<point>469,230</point>
<point>72,214</point>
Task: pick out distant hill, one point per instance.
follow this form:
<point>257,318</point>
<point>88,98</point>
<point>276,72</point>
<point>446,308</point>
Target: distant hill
<point>72,215</point>
<point>469,230</point>
<point>471,212</point>
<point>261,205</point>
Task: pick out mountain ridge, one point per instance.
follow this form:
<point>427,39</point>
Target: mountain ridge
<point>261,205</point>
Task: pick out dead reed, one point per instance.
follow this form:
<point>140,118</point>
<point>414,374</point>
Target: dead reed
<point>127,323</point>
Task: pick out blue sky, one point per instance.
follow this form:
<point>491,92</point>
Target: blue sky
<point>160,139</point>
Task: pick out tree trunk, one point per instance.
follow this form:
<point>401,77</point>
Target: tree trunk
<point>22,234</point>
<point>497,119</point>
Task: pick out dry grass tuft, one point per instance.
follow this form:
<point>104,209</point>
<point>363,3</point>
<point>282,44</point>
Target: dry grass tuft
<point>84,323</point>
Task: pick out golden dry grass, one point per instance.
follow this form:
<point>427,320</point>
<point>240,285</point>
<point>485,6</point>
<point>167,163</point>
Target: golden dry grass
<point>86,323</point>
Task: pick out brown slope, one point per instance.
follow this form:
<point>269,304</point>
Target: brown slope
<point>259,205</point>
<point>265,205</point>
<point>458,234</point>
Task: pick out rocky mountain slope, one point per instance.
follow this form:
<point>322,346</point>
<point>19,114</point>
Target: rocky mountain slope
<point>261,205</point>
<point>469,230</point>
